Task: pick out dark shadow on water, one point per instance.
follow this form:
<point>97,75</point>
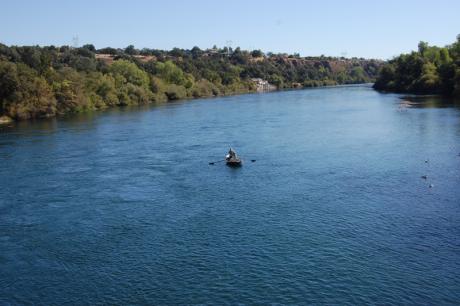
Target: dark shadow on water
<point>81,121</point>
<point>429,102</point>
<point>44,126</point>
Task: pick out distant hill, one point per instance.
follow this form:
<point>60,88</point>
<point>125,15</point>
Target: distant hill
<point>47,81</point>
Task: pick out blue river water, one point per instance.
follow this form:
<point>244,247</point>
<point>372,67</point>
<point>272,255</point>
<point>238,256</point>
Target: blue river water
<point>121,207</point>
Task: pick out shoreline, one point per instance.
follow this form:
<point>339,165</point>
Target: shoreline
<point>8,122</point>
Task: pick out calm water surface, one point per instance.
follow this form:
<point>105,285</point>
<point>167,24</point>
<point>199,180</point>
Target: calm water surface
<point>121,207</point>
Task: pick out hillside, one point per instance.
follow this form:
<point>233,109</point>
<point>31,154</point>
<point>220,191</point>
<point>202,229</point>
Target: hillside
<point>38,82</point>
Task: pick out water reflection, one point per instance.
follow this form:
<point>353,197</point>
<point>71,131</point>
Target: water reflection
<point>30,127</point>
<point>77,121</point>
<point>428,102</point>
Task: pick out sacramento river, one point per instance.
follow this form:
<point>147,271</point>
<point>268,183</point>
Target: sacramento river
<point>121,207</point>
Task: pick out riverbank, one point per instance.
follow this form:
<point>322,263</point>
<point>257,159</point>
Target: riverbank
<point>51,81</point>
<point>5,120</point>
<point>429,70</point>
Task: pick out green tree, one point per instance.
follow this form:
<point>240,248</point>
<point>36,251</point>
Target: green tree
<point>130,73</point>
<point>102,90</point>
<point>257,53</point>
<point>457,83</point>
<point>169,72</point>
<point>276,80</point>
<point>422,47</point>
<point>9,81</point>
<point>131,50</point>
<point>204,88</point>
<point>428,82</point>
<point>431,70</point>
<point>32,98</point>
<point>69,91</point>
<point>196,52</point>
<point>175,92</point>
<point>90,47</point>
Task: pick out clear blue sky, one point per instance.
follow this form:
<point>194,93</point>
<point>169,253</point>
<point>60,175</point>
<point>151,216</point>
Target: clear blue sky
<point>379,29</point>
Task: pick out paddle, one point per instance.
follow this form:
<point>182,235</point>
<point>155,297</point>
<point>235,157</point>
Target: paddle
<point>212,163</point>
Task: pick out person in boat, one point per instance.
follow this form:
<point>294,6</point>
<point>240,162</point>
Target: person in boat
<point>231,154</point>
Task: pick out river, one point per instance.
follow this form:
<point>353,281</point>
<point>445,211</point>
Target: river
<point>122,207</point>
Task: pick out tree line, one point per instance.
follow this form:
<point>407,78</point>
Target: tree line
<point>37,82</point>
<point>429,70</point>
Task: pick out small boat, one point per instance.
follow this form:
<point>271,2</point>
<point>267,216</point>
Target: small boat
<point>234,162</point>
<point>232,159</point>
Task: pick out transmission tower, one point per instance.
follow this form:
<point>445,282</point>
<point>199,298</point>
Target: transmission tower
<point>228,43</point>
<point>75,41</point>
